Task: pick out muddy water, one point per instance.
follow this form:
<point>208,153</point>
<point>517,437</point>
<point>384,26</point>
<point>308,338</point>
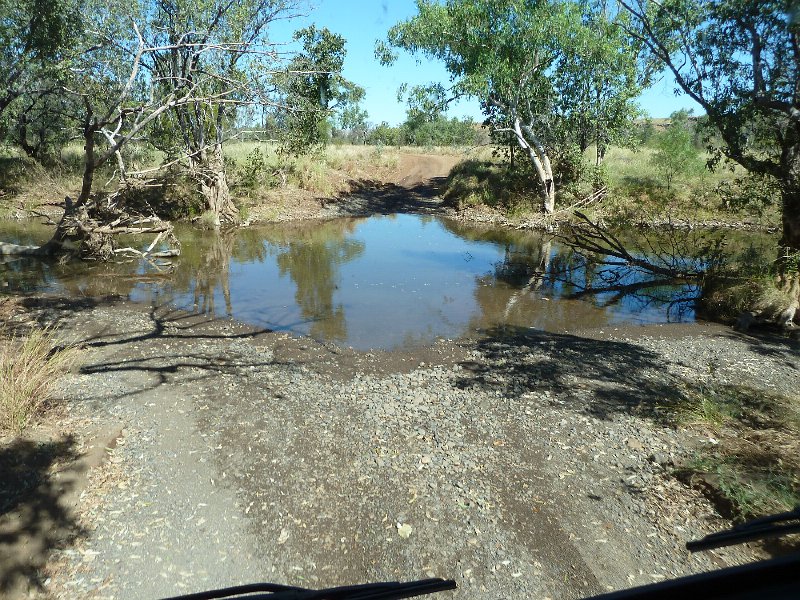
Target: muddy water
<point>382,282</point>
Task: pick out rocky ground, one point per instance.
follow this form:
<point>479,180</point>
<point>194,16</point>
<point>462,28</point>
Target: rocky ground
<point>529,465</point>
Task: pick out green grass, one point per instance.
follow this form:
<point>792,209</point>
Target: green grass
<point>637,191</point>
<point>706,406</point>
<point>748,489</point>
<point>753,466</point>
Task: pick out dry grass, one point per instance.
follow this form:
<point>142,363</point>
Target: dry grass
<point>29,370</point>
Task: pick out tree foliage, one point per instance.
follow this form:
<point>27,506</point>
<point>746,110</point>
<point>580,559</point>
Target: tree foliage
<point>316,91</point>
<point>740,60</point>
<point>525,59</point>
<point>598,82</point>
<point>426,121</point>
<point>36,37</point>
<point>675,151</point>
<point>176,74</point>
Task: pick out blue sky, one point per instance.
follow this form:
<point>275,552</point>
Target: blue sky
<point>362,22</point>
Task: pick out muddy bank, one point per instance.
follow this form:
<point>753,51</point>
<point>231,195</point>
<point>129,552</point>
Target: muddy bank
<point>531,465</point>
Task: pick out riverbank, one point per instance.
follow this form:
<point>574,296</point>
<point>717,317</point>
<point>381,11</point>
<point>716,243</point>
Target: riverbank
<point>526,465</point>
<point>363,180</point>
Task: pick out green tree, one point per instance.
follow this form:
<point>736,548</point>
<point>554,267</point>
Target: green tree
<point>739,60</point>
<point>315,89</point>
<point>140,69</point>
<point>501,52</point>
<point>353,119</point>
<point>217,50</point>
<point>36,38</point>
<point>645,131</point>
<point>598,82</point>
<point>676,153</point>
<point>523,59</point>
<point>426,122</point>
<point>384,134</point>
<point>38,121</point>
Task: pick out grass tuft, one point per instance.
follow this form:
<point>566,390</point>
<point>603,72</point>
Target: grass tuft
<point>29,369</point>
<point>708,407</point>
<point>753,466</point>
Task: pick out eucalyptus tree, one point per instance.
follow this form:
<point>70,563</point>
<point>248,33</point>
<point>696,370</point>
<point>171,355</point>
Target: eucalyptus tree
<point>137,69</point>
<point>39,121</point>
<point>38,40</point>
<point>221,50</point>
<point>353,120</point>
<point>598,82</point>
<point>525,59</point>
<point>675,151</point>
<point>35,38</point>
<point>315,92</point>
<point>501,52</point>
<point>740,61</point>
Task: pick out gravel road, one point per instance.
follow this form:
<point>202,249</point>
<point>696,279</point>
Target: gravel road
<point>531,465</point>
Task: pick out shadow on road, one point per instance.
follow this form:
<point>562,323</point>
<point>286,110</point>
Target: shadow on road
<point>600,377</point>
<point>33,518</point>
<point>368,197</point>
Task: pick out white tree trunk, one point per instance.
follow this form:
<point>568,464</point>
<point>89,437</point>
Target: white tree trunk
<point>536,280</point>
<point>541,161</point>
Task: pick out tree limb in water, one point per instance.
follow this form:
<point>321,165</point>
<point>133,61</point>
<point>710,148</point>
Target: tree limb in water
<point>593,238</point>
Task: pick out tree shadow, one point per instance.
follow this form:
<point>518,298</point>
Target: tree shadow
<point>163,360</point>
<point>366,197</point>
<point>771,342</point>
<point>33,517</point>
<point>599,377</point>
<point>51,311</point>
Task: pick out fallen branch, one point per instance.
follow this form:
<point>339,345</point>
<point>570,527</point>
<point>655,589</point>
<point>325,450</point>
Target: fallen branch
<point>595,239</point>
<point>592,198</point>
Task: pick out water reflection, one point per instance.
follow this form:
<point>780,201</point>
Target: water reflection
<point>382,282</point>
<point>312,257</point>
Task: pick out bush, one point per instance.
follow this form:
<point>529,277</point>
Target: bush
<point>475,182</point>
<point>254,169</point>
<point>29,370</point>
<point>751,192</point>
<point>675,151</point>
<point>724,300</point>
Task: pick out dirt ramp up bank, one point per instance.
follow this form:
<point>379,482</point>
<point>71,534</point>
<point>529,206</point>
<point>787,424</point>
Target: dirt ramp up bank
<point>414,169</point>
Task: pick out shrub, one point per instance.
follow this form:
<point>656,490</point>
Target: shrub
<point>29,370</point>
<point>255,167</point>
<point>675,153</point>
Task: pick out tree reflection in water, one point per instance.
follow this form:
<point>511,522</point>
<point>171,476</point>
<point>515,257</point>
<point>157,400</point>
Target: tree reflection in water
<point>312,256</point>
<point>214,271</point>
<point>204,267</point>
<point>438,278</point>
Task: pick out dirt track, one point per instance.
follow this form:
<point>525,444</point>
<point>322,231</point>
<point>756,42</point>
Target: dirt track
<point>419,168</point>
<point>522,468</point>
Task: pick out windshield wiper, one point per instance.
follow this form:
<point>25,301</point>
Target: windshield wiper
<point>771,526</point>
<point>388,590</point>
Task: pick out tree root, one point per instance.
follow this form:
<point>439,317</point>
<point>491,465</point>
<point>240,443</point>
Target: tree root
<point>91,232</point>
